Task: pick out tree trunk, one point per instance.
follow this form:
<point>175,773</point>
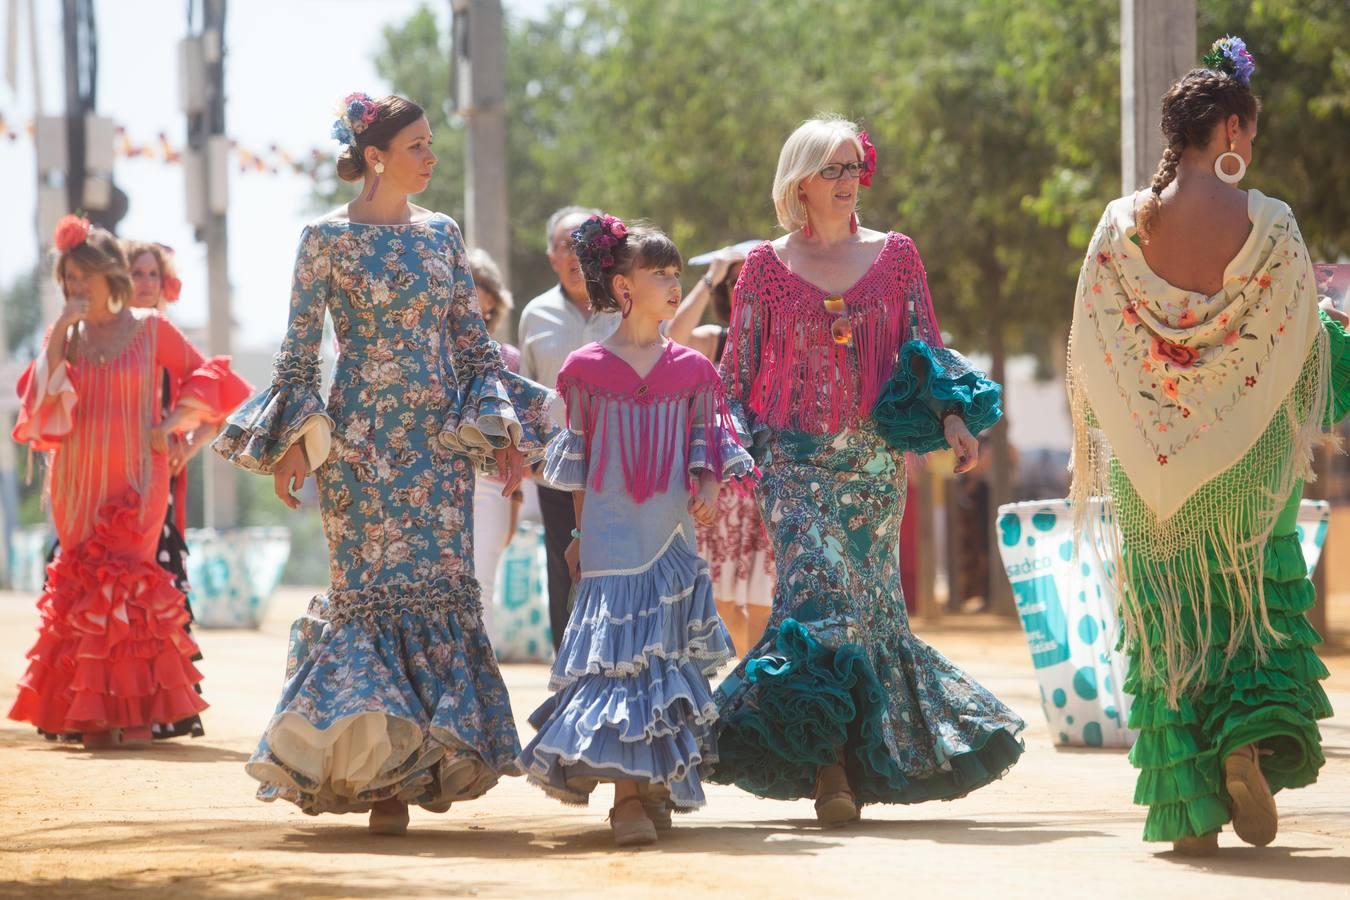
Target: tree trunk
<point>1000,473</point>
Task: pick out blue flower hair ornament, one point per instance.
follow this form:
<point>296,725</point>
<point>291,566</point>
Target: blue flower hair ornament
<point>1230,55</point>
<point>357,112</point>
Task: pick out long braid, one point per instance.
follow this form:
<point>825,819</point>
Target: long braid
<point>1147,216</point>
<point>1192,108</point>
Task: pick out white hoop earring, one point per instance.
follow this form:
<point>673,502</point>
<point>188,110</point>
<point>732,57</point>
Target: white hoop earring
<point>1224,176</point>
<point>115,305</point>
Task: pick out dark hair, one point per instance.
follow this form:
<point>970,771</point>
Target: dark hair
<point>643,247</point>
<point>721,293</point>
<point>1192,107</point>
<point>394,113</point>
<point>99,253</point>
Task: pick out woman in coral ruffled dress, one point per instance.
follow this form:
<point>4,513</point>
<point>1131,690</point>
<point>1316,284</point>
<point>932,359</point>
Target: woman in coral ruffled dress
<point>113,661</point>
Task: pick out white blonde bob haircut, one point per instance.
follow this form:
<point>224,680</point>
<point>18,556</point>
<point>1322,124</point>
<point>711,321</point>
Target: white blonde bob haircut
<point>807,151</point>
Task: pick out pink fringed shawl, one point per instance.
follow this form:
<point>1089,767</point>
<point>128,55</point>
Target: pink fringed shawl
<point>595,381</point>
<point>793,374</point>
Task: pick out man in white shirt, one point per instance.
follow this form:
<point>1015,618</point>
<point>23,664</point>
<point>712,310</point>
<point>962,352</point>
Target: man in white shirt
<point>553,325</point>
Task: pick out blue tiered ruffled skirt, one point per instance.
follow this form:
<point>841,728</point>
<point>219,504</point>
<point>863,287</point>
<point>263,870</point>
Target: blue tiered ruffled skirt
<point>400,698</point>
<point>632,697</point>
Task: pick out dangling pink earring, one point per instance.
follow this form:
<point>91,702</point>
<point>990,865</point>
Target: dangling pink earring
<point>853,223</point>
<point>379,170</point>
<point>806,229</point>
<point>628,304</point>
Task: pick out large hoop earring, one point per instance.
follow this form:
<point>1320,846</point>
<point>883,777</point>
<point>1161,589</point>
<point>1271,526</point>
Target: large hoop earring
<point>115,305</point>
<point>1224,176</point>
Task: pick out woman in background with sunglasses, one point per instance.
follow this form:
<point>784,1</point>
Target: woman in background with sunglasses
<point>835,368</point>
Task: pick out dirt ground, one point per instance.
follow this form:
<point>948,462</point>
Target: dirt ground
<point>179,820</point>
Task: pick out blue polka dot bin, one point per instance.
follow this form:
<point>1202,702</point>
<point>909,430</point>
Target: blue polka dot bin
<point>518,625</point>
<point>233,572</point>
<point>1067,605</point>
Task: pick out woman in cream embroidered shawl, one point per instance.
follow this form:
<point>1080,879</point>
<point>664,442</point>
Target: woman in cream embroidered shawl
<point>1201,372</point>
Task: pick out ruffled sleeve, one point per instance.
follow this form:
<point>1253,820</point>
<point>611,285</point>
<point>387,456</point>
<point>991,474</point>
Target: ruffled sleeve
<point>1339,402</point>
<point>260,432</point>
<point>928,383</point>
<point>714,444</point>
<point>47,404</point>
<point>565,463</point>
<point>496,408</point>
<point>739,365</point>
<point>207,385</point>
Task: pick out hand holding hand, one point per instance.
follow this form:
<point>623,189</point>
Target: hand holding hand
<point>703,505</point>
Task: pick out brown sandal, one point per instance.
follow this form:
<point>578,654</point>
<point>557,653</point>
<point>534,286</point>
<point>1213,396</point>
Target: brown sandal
<point>1204,845</point>
<point>1252,805</point>
<point>835,803</point>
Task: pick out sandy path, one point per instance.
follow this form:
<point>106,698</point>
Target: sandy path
<point>179,820</point>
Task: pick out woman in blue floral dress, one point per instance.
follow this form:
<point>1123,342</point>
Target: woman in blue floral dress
<point>838,700</point>
<point>393,696</point>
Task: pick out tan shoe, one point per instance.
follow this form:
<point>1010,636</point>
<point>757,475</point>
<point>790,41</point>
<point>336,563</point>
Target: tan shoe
<point>389,817</point>
<point>835,803</point>
<point>1204,845</point>
<point>656,802</point>
<point>1252,805</point>
<point>633,829</point>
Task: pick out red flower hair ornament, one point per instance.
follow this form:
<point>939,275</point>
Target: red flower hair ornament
<point>869,160</point>
<point>71,232</point>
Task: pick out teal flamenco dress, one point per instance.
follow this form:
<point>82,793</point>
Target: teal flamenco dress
<point>838,669</point>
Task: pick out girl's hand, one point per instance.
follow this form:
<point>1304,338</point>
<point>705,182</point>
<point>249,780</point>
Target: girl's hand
<point>703,505</point>
<point>510,466</point>
<point>289,475</point>
<point>962,441</point>
<point>573,556</point>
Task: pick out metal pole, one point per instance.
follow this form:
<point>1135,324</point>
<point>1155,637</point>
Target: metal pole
<point>222,501</point>
<point>1157,47</point>
<point>479,75</point>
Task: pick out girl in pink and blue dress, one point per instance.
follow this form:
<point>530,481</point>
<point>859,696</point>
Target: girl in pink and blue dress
<point>648,444</point>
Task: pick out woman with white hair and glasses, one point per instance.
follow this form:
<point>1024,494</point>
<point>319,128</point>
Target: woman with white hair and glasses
<point>835,368</point>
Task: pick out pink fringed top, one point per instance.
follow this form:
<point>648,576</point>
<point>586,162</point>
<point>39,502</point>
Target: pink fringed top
<point>677,413</point>
<point>782,361</point>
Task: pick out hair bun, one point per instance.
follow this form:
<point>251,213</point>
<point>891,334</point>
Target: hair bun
<point>351,164</point>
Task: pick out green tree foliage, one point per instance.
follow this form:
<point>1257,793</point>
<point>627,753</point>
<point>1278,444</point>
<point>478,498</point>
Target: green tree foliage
<point>997,123</point>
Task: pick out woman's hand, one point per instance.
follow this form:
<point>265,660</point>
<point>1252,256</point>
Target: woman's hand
<point>721,265</point>
<point>289,474</point>
<point>962,441</point>
<point>703,505</point>
<point>1330,309</point>
<point>573,556</point>
<point>75,310</point>
<point>510,467</point>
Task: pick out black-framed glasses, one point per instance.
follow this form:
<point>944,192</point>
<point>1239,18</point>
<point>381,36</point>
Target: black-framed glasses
<point>835,171</point>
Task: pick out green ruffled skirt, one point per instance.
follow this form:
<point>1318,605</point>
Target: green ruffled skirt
<point>1180,752</point>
